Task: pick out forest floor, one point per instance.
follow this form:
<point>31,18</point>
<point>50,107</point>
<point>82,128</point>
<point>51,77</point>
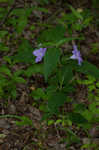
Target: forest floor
<point>40,136</point>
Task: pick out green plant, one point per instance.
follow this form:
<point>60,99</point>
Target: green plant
<point>50,43</point>
<point>8,79</point>
<point>92,112</point>
<point>23,119</point>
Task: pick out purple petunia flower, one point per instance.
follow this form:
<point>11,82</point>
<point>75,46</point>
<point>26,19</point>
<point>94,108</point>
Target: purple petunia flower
<point>39,53</point>
<point>76,55</point>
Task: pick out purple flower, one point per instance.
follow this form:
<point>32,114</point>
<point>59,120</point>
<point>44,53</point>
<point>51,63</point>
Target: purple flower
<point>39,53</point>
<point>76,55</point>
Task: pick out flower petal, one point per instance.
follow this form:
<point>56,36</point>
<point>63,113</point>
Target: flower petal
<point>80,60</point>
<point>76,55</point>
<point>75,48</point>
<point>38,59</point>
<point>73,57</point>
<point>36,52</point>
<point>39,53</point>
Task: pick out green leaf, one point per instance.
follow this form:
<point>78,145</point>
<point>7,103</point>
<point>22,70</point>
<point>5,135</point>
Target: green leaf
<point>13,93</point>
<point>50,61</point>
<point>97,84</point>
<point>53,34</point>
<point>3,81</point>
<point>22,22</point>
<point>71,137</point>
<point>64,40</point>
<point>87,115</point>
<point>60,42</point>
<point>77,118</point>
<point>18,72</point>
<point>87,21</point>
<point>50,122</point>
<point>22,18</point>
<point>76,13</point>
<point>93,108</point>
<point>42,9</point>
<point>38,94</point>
<point>3,47</point>
<point>91,88</point>
<point>65,75</point>
<point>5,70</point>
<point>3,33</point>
<point>36,68</point>
<point>21,12</point>
<point>79,107</point>
<point>3,12</point>
<point>24,53</point>
<point>56,100</point>
<point>86,68</point>
<point>24,121</point>
<point>89,69</point>
<point>19,80</point>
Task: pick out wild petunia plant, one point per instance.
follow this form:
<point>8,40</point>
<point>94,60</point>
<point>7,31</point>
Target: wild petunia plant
<point>59,73</point>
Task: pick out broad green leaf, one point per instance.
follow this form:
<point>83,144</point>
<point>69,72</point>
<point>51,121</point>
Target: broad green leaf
<point>50,122</point>
<point>53,34</point>
<point>24,53</point>
<point>89,69</point>
<point>50,61</point>
<point>3,81</point>
<point>3,12</point>
<point>79,107</point>
<point>93,108</point>
<point>51,89</point>
<point>42,9</point>
<point>19,80</point>
<point>77,118</point>
<point>5,70</point>
<point>56,100</point>
<point>38,94</point>
<point>87,114</point>
<point>60,42</point>
<point>64,40</point>
<point>86,68</point>
<point>22,22</point>
<point>24,121</point>
<point>36,68</point>
<point>65,75</point>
